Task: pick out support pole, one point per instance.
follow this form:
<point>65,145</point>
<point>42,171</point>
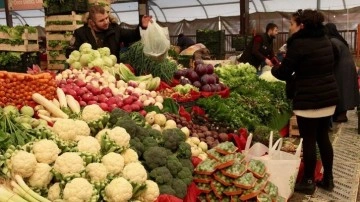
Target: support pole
<point>8,16</point>
<point>244,17</point>
<point>143,9</point>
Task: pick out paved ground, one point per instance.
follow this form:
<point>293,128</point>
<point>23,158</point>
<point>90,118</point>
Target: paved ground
<point>346,143</point>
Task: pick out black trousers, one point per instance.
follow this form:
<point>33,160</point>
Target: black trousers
<point>315,131</point>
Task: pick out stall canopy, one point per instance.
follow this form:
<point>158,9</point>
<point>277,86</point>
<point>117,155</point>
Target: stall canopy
<point>175,11</point>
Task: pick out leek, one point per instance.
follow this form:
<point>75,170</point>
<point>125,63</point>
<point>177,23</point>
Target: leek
<point>28,190</point>
<point>9,196</point>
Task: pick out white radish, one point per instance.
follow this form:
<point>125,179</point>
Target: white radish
<point>73,104</point>
<point>46,118</point>
<point>43,112</point>
<point>61,96</point>
<point>56,102</point>
<point>49,106</point>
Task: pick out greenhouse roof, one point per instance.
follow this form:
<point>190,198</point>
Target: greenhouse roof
<point>175,11</point>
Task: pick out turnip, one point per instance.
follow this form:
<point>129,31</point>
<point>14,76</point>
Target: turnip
<point>87,97</point>
<point>112,106</point>
<point>82,103</point>
<point>147,103</point>
<point>105,89</point>
<point>132,83</point>
<point>159,98</point>
<point>111,100</point>
<point>91,102</point>
<point>120,103</point>
<point>121,83</point>
<point>102,98</point>
<point>71,92</point>
<point>158,104</point>
<point>153,94</point>
<point>135,107</point>
<point>108,94</point>
<point>142,98</point>
<point>127,108</point>
<point>142,85</point>
<point>80,83</point>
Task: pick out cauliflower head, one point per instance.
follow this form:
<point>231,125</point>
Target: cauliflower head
<point>54,192</point>
<point>96,171</point>
<point>130,156</point>
<point>92,113</point>
<point>46,151</point>
<point>102,133</point>
<point>113,162</point>
<point>135,172</point>
<point>118,190</point>
<point>42,176</point>
<point>120,136</point>
<point>23,163</point>
<point>69,129</point>
<point>69,163</point>
<point>78,190</point>
<point>89,144</point>
<point>151,192</point>
<point>82,128</point>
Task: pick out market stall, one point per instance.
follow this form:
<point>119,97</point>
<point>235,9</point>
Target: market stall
<point>90,128</point>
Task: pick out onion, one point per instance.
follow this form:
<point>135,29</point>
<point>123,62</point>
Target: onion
<point>184,81</point>
<point>198,61</point>
<point>192,76</point>
<point>206,88</point>
<point>201,69</point>
<point>222,86</point>
<point>209,69</point>
<point>197,84</point>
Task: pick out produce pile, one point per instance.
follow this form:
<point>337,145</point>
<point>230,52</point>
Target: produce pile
<point>226,176</point>
<point>100,132</point>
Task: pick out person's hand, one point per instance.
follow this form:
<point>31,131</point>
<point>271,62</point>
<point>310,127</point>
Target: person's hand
<point>268,62</point>
<point>145,20</point>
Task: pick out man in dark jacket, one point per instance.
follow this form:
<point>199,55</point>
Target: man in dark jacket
<point>260,50</point>
<point>99,31</point>
<point>184,42</point>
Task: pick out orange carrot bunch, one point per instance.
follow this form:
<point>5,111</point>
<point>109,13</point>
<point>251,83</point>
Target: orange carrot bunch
<point>16,88</point>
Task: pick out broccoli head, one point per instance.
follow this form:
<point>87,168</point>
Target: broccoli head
<point>137,145</point>
<point>172,138</point>
<point>180,188</point>
<point>156,157</point>
<point>187,163</point>
<point>173,164</point>
<point>184,151</point>
<point>138,118</point>
<point>129,125</point>
<point>116,114</point>
<point>166,189</point>
<point>161,175</point>
<point>185,174</point>
<point>155,134</point>
<point>149,142</point>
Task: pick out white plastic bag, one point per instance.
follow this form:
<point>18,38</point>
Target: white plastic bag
<point>156,41</point>
<point>283,167</point>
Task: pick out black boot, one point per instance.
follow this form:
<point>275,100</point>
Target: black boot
<point>306,186</point>
<point>326,184</point>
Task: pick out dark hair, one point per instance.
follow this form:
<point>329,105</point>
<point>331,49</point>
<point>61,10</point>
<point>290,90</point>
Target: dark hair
<point>180,35</point>
<point>95,9</point>
<point>270,26</point>
<point>332,32</point>
<point>311,19</point>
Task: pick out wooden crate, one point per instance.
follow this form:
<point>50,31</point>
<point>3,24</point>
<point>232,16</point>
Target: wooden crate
<point>56,63</point>
<point>74,18</point>
<point>293,127</point>
<point>51,36</point>
<point>26,47</point>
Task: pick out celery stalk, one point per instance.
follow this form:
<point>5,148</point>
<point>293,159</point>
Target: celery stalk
<point>9,196</point>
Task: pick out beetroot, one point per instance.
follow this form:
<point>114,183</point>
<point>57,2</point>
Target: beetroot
<point>206,88</point>
<point>184,81</point>
<point>197,84</point>
<point>198,61</point>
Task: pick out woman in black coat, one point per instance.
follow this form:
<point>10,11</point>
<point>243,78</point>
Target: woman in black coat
<point>345,74</point>
<point>310,58</point>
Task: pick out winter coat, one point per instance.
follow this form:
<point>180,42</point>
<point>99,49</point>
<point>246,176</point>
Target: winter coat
<point>310,56</point>
<point>346,77</point>
<point>260,48</point>
<point>114,36</point>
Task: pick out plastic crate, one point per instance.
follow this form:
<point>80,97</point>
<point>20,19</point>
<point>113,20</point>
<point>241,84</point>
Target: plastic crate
<point>79,6</point>
<point>240,42</point>
<point>28,59</point>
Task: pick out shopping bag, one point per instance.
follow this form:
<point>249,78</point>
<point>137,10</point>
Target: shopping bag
<point>155,40</point>
<point>257,149</point>
<point>283,167</point>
